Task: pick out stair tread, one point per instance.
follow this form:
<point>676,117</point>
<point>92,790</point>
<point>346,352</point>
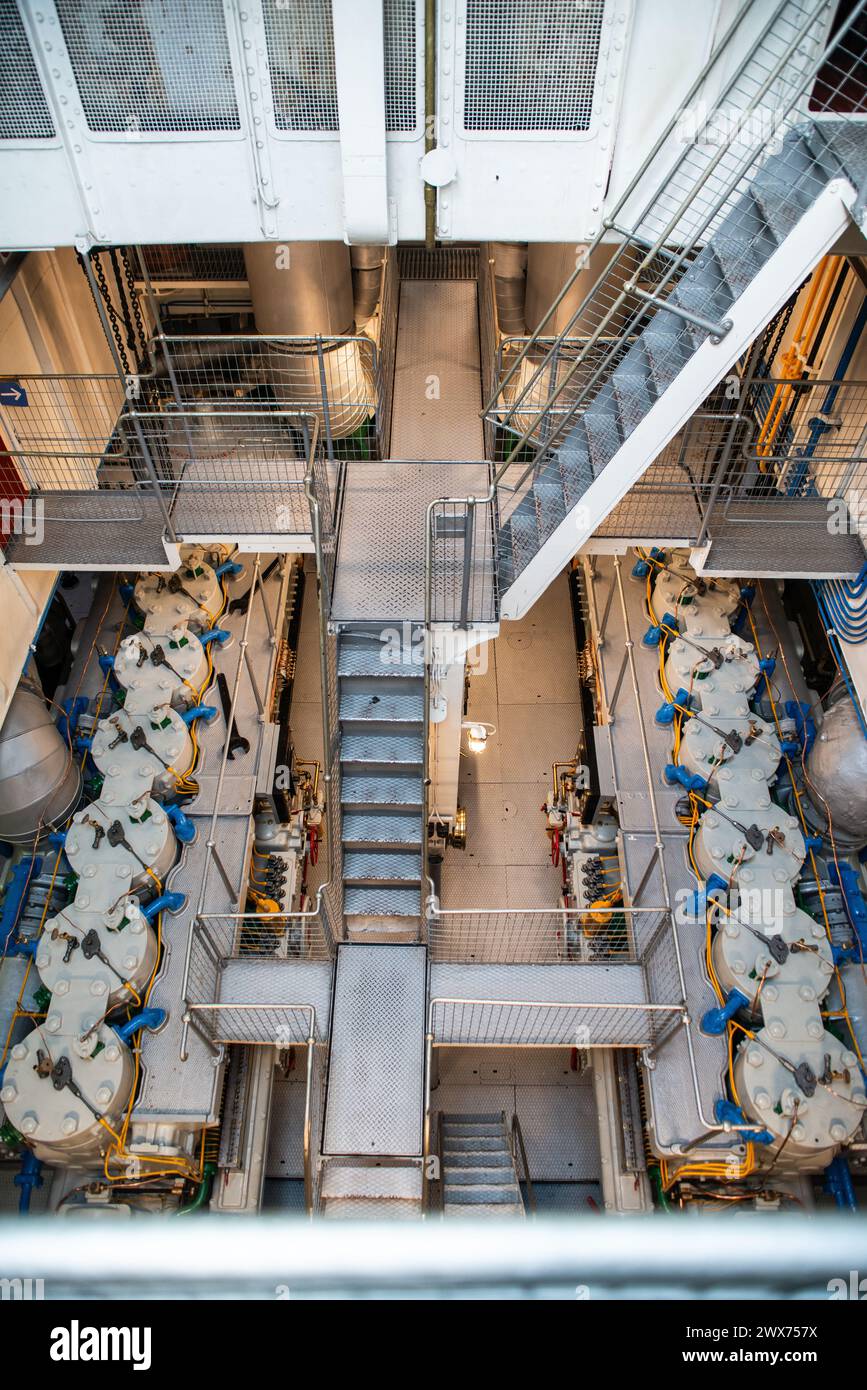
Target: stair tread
<point>389,700</point>
<point>383,900</point>
<point>383,789</point>
<point>382,866</point>
<point>379,828</point>
<point>364,657</point>
<point>393,746</point>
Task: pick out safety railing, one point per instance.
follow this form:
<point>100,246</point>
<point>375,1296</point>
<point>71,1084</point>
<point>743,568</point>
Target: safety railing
<point>461,1022</point>
<point>460,568</point>
<point>540,936</point>
<point>275,1025</point>
<point>774,84</point>
<point>522,1166</point>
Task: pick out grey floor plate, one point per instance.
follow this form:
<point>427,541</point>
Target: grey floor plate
<point>376,1074</point>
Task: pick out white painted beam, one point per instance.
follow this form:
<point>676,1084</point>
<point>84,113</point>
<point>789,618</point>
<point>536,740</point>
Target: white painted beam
<point>359,59</point>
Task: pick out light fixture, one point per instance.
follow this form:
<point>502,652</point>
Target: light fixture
<point>477,734</point>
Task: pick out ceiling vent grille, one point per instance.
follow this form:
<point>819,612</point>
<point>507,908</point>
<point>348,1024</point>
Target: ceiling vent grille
<point>151,65</point>
<point>300,40</point>
<point>531,64</point>
<point>24,113</point>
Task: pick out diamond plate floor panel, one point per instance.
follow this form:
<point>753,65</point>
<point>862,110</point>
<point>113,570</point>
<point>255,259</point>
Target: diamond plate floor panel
<point>380,562</point>
<point>375,1094</point>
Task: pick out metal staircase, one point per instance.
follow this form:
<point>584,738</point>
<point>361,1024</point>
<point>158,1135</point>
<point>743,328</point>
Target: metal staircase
<point>645,385</point>
<point>381,705</point>
<point>729,233</point>
<point>479,1176</point>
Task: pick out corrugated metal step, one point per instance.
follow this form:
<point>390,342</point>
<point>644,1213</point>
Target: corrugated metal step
<point>393,746</point>
<point>379,828</point>
<point>381,866</point>
<point>383,789</point>
<point>480,1193</point>
<point>369,656</point>
<point>390,699</point>
<point>382,900</point>
<point>473,1157</point>
<point>475,1143</point>
<point>481,1210</point>
<point>492,1176</point>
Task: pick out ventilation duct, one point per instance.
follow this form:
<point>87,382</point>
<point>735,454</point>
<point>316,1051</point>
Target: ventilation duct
<point>510,283</point>
<point>366,280</point>
<point>304,290</point>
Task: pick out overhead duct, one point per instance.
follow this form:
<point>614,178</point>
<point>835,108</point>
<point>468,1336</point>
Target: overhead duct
<point>509,260</point>
<point>367,264</point>
<point>303,289</point>
<point>40,781</point>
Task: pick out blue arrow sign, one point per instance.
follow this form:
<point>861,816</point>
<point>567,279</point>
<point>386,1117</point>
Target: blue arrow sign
<point>12,394</point>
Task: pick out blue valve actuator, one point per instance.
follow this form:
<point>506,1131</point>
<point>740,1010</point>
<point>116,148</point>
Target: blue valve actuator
<point>715,1020</point>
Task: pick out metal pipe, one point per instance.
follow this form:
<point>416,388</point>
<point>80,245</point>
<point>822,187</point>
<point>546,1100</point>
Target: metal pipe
<point>430,115</point>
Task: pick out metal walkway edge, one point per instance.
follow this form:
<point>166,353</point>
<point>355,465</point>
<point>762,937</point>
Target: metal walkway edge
<point>375,1092</point>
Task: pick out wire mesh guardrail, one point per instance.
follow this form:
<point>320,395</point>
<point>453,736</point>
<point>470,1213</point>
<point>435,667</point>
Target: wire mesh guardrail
<point>538,1023</point>
<point>291,936</point>
<point>461,576</point>
<point>540,936</point>
<point>255,1025</point>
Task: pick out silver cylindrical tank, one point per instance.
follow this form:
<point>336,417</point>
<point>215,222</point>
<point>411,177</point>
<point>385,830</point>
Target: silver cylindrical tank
<point>40,781</point>
<point>837,769</point>
<point>509,264</point>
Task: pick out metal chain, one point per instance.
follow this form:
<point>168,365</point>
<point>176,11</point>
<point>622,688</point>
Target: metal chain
<point>136,305</point>
<point>124,305</point>
<point>99,275</point>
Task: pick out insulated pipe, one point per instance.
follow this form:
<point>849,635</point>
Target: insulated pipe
<point>366,280</point>
<point>510,271</point>
<point>300,289</point>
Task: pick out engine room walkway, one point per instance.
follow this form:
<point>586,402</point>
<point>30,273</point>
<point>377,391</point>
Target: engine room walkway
<point>435,429</point>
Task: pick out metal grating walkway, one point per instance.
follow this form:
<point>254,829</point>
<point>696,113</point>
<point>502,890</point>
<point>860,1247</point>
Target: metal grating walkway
<point>375,1097</point>
<point>782,540</point>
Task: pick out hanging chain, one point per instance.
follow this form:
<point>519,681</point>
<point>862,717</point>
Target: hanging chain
<point>99,274</point>
<point>135,303</point>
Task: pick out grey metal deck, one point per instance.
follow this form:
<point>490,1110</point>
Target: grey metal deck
<point>375,1097</point>
<point>437,376</point>
<point>791,538</point>
<point>111,529</point>
<point>380,561</point>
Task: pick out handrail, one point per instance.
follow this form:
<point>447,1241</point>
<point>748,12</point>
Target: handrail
<point>516,1144</point>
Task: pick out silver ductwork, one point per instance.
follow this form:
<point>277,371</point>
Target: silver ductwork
<point>303,289</point>
<point>367,262</point>
<point>40,781</point>
<point>509,264</point>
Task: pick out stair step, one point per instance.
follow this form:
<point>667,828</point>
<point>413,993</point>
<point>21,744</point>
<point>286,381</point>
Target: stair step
<point>363,866</point>
<point>394,746</point>
<point>844,149</point>
<point>389,699</point>
<point>603,436</point>
<point>576,469</point>
<point>385,900</point>
<point>477,1211</point>
<point>666,348</point>
<point>471,1117</point>
<point>525,537</point>
<point>634,399</point>
<point>781,212</point>
<point>381,789</point>
<point>481,1194</point>
<point>463,1128</point>
<point>372,656</point>
<point>484,1177</point>
<point>702,291</point>
<point>739,259</point>
<point>381,829</point>
<point>550,507</point>
<point>490,1158</point>
<point>475,1143</point>
<point>505,556</point>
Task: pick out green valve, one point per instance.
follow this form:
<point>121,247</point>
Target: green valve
<point>9,1135</point>
<point>42,998</point>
